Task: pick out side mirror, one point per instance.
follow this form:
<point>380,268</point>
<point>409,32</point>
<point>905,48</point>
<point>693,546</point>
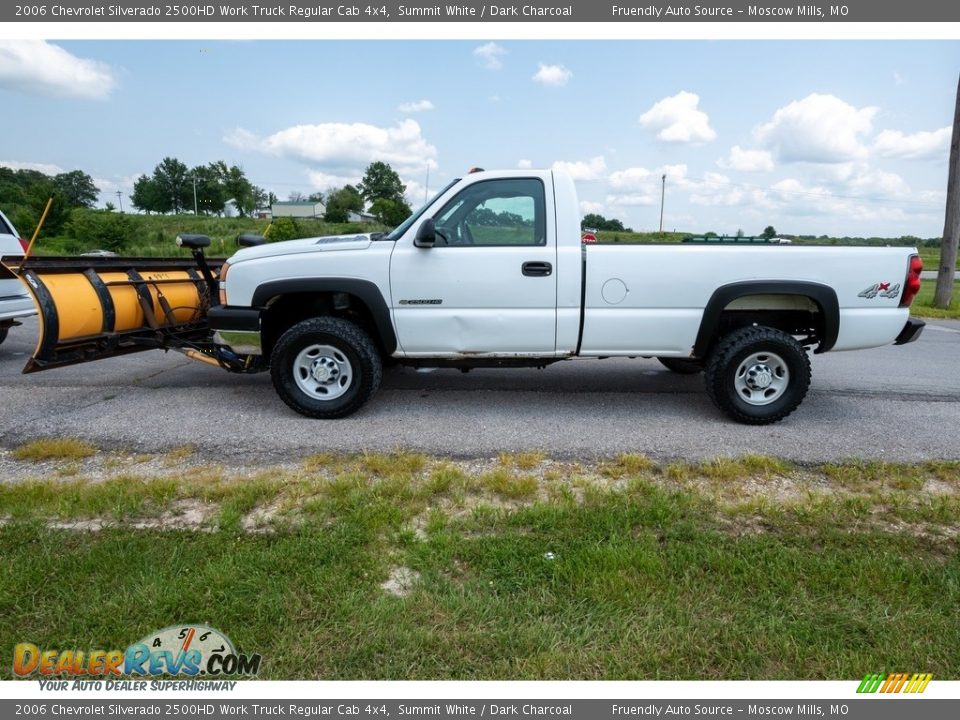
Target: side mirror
<point>426,234</point>
<point>250,240</point>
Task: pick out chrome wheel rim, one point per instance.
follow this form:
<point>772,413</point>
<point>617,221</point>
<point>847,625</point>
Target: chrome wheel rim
<point>323,372</point>
<point>761,378</point>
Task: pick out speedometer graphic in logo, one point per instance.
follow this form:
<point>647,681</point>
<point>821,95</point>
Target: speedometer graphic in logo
<point>187,650</point>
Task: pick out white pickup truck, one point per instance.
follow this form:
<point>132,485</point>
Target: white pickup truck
<point>492,272</point>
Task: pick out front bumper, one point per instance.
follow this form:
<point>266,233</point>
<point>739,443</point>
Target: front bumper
<point>236,327</point>
<point>16,306</point>
<point>911,331</point>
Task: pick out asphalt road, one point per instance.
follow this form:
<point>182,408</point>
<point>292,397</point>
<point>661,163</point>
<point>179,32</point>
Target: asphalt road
<point>893,403</point>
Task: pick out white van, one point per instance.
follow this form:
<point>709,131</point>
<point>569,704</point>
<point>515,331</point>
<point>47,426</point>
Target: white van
<point>15,301</point>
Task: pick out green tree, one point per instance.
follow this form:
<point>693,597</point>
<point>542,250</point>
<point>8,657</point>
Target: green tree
<point>211,195</point>
<point>36,196</point>
<point>390,212</point>
<point>261,199</point>
<point>77,188</point>
<point>100,229</point>
<point>173,186</point>
<point>341,202</point>
<point>240,190</point>
<point>381,181</point>
<point>146,196</point>
<point>769,232</point>
<point>593,220</point>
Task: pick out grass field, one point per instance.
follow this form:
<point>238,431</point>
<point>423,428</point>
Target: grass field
<point>409,567</point>
<point>923,304</point>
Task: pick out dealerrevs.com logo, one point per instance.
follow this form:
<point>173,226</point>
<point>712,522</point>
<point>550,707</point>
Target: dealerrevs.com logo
<point>178,650</point>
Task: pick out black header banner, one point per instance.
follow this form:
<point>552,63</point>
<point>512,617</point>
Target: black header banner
<point>476,11</point>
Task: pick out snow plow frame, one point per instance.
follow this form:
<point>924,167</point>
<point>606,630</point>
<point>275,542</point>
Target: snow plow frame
<point>134,310</point>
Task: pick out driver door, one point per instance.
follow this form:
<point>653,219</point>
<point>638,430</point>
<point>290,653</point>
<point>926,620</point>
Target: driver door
<point>488,286</point>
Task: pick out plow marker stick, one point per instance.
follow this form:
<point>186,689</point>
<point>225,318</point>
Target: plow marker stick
<point>39,225</point>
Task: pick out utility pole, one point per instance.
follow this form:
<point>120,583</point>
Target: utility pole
<point>663,193</point>
<point>951,224</point>
<point>195,194</point>
<point>120,200</point>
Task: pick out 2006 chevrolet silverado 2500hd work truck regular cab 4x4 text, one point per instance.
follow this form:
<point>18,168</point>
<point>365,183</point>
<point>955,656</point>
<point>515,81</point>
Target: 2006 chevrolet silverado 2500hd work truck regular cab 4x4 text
<point>492,272</point>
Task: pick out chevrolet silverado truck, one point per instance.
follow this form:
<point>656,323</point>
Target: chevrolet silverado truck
<point>492,272</point>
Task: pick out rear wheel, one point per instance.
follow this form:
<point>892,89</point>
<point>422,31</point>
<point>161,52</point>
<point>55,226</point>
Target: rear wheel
<point>681,366</point>
<point>758,375</point>
<point>325,367</point>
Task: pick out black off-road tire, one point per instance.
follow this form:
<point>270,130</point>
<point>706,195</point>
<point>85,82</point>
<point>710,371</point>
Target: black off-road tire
<point>3,334</point>
<point>742,351</point>
<point>681,366</point>
<point>353,349</point>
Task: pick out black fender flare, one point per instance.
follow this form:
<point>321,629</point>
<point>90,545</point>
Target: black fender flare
<point>824,296</point>
<point>365,290</point>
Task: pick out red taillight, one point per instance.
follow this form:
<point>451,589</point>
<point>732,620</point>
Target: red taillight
<point>24,244</point>
<point>911,285</point>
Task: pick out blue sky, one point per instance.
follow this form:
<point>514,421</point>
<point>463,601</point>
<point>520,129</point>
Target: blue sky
<point>819,137</point>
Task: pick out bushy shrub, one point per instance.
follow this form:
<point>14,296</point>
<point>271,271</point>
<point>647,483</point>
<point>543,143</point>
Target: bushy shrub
<point>100,230</point>
<point>283,228</point>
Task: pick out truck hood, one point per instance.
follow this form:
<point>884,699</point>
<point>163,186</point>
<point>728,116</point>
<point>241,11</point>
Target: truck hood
<point>328,243</point>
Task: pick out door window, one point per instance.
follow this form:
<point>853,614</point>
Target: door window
<point>495,212</point>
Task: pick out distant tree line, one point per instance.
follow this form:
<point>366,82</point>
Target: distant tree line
<point>599,222</point>
<point>381,187</point>
<point>175,188</point>
<point>24,194</point>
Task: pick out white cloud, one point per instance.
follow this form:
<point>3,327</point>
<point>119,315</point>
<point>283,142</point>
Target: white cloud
<point>490,55</point>
<point>36,67</point>
<point>633,199</point>
<point>588,206</point>
<point>800,199</point>
<point>679,119</point>
<point>631,178</point>
<point>524,164</point>
<point>583,170</point>
<point>325,181</point>
<point>415,107</point>
<point>45,168</point>
<point>747,160</point>
<point>716,190</point>
<point>895,144</point>
<point>342,149</point>
<point>878,183</point>
<point>552,75</point>
<point>818,129</point>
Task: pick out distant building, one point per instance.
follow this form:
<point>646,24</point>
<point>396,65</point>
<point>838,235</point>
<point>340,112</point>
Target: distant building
<point>301,209</point>
<point>361,217</point>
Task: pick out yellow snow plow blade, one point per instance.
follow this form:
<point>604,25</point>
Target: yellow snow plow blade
<point>92,308</point>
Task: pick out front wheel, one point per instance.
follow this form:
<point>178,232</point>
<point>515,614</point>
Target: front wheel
<point>758,375</point>
<point>325,367</point>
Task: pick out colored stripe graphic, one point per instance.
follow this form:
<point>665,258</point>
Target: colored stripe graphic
<point>894,683</point>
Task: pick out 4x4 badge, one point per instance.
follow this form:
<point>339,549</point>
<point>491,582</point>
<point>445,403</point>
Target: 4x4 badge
<point>884,290</point>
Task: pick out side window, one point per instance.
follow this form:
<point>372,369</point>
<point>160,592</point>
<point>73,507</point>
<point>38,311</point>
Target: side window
<point>495,212</point>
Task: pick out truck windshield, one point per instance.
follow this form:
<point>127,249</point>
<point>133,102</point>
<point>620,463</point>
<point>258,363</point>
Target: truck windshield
<point>400,229</point>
